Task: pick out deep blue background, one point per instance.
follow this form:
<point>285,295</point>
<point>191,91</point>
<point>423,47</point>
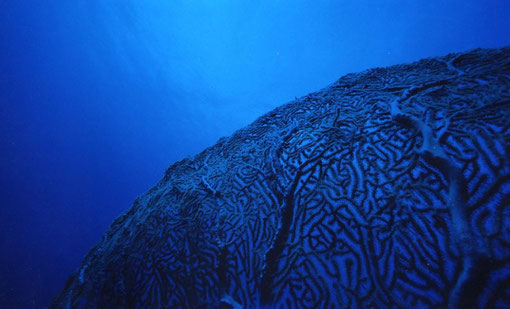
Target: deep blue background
<point>97,100</point>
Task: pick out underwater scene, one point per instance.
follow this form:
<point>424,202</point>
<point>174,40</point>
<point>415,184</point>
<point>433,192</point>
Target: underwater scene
<point>255,154</point>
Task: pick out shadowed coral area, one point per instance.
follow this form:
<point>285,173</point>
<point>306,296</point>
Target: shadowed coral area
<point>388,188</point>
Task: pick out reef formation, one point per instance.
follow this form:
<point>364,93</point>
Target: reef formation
<point>388,188</point>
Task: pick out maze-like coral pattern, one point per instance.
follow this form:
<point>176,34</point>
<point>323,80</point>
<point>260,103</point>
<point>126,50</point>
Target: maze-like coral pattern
<point>389,188</point>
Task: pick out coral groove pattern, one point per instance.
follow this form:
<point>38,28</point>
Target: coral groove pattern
<point>389,188</point>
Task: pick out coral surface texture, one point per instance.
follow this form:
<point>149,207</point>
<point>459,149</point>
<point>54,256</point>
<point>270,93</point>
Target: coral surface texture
<point>388,188</point>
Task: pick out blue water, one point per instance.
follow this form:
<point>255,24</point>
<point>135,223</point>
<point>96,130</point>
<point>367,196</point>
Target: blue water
<point>97,100</point>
